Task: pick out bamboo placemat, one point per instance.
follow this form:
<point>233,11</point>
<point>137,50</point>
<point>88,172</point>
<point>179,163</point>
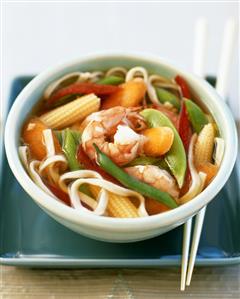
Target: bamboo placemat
<point>208,282</point>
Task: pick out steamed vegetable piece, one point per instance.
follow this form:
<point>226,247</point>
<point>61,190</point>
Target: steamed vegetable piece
<point>196,115</point>
<point>176,156</point>
<point>32,135</point>
<point>69,146</point>
<point>70,142</point>
<point>72,112</point>
<point>64,100</point>
<point>130,94</point>
<point>82,88</point>
<point>204,152</point>
<point>128,181</point>
<point>204,145</point>
<point>87,163</point>
<point>184,127</point>
<point>209,169</point>
<point>111,80</point>
<point>118,206</point>
<point>167,96</point>
<point>158,141</point>
<point>184,86</point>
<point>60,135</point>
<point>154,207</point>
<point>185,132</point>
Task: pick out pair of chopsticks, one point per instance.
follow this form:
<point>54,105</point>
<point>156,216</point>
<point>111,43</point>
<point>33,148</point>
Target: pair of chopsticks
<point>199,58</point>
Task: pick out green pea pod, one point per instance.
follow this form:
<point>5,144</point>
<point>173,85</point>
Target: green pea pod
<point>130,182</point>
<point>61,133</point>
<point>176,156</point>
<point>166,96</point>
<point>70,142</point>
<point>197,117</point>
<point>69,147</point>
<point>145,160</point>
<point>111,80</point>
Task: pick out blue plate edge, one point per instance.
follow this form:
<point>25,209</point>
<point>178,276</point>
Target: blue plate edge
<point>113,263</point>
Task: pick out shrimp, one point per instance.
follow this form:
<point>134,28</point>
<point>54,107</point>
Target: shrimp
<point>114,132</point>
<point>156,177</point>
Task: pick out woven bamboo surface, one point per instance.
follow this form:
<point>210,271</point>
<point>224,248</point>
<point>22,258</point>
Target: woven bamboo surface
<point>208,282</point>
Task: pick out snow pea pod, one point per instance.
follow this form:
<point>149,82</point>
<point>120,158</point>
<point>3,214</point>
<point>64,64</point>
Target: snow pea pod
<point>197,117</point>
<point>166,96</point>
<point>130,182</point>
<point>69,147</point>
<point>176,156</point>
<point>111,80</point>
<point>146,160</point>
<point>70,143</point>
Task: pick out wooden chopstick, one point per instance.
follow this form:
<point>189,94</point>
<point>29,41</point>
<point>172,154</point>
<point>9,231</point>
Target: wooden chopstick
<point>221,87</point>
<point>199,59</point>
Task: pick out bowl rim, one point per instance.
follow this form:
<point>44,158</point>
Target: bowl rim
<point>50,205</point>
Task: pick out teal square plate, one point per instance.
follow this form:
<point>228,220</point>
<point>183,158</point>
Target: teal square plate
<point>29,237</point>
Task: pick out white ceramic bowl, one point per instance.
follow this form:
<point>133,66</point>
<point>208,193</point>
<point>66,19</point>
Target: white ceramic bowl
<point>110,229</point>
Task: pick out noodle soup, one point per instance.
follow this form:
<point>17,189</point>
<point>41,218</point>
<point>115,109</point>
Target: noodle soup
<point>123,143</point>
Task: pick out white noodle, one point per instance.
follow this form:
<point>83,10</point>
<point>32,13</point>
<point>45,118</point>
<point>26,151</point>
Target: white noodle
<point>111,188</point>
<point>51,160</point>
<point>151,90</point>
<point>92,203</point>
<point>36,177</point>
<point>80,77</point>
<point>76,175</point>
<point>48,142</point>
<point>160,82</point>
<point>52,170</point>
<point>23,153</point>
<point>102,199</point>
<point>94,178</point>
<point>116,71</point>
<point>136,72</point>
<point>218,151</point>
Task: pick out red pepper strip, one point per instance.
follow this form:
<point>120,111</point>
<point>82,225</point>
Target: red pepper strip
<point>59,193</point>
<point>185,133</point>
<point>82,88</point>
<point>92,165</point>
<point>184,87</point>
<point>184,127</point>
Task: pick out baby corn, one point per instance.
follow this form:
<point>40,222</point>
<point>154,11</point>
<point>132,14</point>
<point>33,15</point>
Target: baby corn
<point>204,145</point>
<point>69,113</point>
<point>118,206</point>
<point>121,207</point>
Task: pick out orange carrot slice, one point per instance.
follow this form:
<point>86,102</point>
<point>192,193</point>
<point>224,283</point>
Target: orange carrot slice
<point>33,136</point>
<point>154,207</point>
<point>159,141</point>
<point>130,94</point>
<point>210,170</point>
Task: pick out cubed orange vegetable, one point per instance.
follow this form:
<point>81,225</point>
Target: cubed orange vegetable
<point>159,141</point>
<point>154,207</point>
<point>33,137</point>
<point>130,94</point>
<point>210,170</point>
